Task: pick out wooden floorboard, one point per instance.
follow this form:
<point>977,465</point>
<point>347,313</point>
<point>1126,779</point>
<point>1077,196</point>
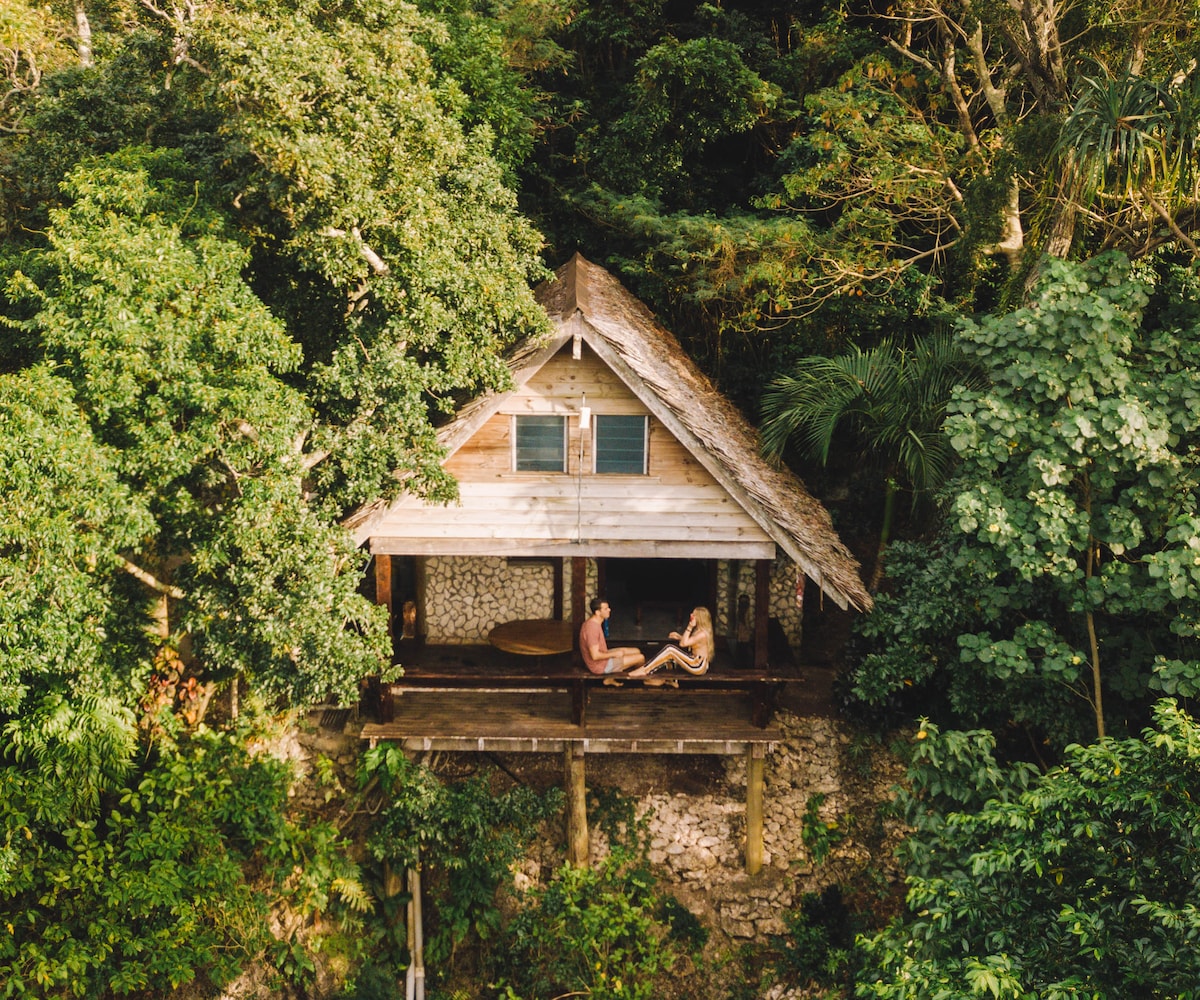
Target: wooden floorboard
<point>632,719</point>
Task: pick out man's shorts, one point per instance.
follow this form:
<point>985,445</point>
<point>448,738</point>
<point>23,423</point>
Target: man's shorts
<point>613,665</point>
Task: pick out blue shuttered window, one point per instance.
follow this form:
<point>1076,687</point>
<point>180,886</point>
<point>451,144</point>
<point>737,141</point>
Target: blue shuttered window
<point>621,444</point>
<point>541,444</point>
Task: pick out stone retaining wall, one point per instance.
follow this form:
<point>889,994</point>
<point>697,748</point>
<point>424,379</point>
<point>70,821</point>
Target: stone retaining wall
<point>467,596</point>
<point>696,841</point>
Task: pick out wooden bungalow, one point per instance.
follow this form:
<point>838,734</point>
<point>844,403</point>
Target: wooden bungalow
<point>612,467</point>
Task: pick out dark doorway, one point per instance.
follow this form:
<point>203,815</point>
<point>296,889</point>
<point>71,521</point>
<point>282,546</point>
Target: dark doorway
<point>651,597</point>
<point>405,599</point>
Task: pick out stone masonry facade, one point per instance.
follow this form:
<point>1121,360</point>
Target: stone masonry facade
<point>467,596</point>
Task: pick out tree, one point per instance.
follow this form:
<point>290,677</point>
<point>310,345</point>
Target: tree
<point>1070,530</point>
<point>178,370</point>
<point>274,258</point>
<point>1130,147</point>
<point>1077,882</point>
<point>891,399</point>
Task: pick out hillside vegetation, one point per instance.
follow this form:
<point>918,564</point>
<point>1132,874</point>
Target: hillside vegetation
<point>252,252</point>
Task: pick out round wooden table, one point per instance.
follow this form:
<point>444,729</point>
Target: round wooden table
<point>533,637</point>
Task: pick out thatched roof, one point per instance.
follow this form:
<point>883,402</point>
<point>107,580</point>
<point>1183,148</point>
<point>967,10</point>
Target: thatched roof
<point>625,334</point>
<point>587,302</point>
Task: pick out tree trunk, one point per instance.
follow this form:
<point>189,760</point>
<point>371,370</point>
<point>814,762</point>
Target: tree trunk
<point>83,35</point>
<point>885,534</point>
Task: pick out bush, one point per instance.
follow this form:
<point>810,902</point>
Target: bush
<point>464,837</point>
<point>592,932</point>
<point>170,881</point>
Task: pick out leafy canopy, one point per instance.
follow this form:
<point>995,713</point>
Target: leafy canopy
<point>1077,882</point>
<point>1068,553</point>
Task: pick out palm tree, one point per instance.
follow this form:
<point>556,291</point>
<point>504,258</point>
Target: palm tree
<point>1131,148</point>
<point>891,399</point>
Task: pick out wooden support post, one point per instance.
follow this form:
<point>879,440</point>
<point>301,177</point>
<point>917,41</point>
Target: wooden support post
<point>415,981</point>
<point>762,610</point>
<point>755,765</point>
<point>731,596</point>
<point>578,850</point>
<point>557,568</point>
<point>579,601</point>
<point>383,586</point>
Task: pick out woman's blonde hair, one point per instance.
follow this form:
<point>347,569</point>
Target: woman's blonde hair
<point>704,621</point>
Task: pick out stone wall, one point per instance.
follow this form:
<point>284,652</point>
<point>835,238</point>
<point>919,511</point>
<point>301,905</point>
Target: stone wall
<point>697,841</point>
<point>467,596</point>
<point>782,602</point>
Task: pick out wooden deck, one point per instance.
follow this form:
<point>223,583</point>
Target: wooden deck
<point>629,719</point>
<point>478,698</point>
<point>483,700</point>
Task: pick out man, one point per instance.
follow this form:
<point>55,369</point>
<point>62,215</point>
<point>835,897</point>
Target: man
<point>597,657</point>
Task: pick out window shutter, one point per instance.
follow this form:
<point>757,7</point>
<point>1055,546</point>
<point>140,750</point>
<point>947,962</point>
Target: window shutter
<point>621,444</point>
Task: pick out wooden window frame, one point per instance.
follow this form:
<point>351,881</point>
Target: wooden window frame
<point>597,418</point>
<point>516,456</point>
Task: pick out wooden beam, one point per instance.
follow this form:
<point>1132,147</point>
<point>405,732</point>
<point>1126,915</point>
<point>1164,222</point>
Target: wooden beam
<point>755,767</point>
<point>578,850</point>
<point>762,610</point>
<point>557,562</point>
<point>600,547</point>
<point>383,587</point>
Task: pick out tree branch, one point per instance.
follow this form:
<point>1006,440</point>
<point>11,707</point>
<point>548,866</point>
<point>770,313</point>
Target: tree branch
<point>1171,224</point>
<point>150,580</point>
<point>378,264</point>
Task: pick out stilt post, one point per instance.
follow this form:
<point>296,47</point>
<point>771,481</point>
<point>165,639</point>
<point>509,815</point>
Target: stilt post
<point>578,850</point>
<point>755,765</point>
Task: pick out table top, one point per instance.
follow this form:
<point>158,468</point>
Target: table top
<point>533,636</point>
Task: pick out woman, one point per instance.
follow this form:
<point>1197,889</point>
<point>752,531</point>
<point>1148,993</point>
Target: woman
<point>694,652</point>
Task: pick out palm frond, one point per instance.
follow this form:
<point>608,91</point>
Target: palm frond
<point>1114,134</point>
<point>891,400</point>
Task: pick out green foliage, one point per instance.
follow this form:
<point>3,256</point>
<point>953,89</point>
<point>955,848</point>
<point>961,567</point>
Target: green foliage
<point>66,514</point>
<point>816,947</point>
<point>589,930</point>
<point>1077,882</point>
<point>171,882</point>
<point>1073,512</point>
<point>487,50</point>
<point>893,398</point>
<point>684,96</point>
<point>604,930</point>
<point>820,836</point>
<point>196,423</point>
<point>464,838</point>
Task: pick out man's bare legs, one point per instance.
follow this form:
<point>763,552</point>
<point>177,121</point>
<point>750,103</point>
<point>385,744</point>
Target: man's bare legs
<point>630,656</point>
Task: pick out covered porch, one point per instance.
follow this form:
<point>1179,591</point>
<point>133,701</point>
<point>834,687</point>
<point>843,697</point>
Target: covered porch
<point>438,598</point>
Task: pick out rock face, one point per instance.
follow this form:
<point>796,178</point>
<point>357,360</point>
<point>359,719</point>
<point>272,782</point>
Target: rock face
<point>819,781</point>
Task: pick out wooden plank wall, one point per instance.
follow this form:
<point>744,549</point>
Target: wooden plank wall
<point>677,501</point>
